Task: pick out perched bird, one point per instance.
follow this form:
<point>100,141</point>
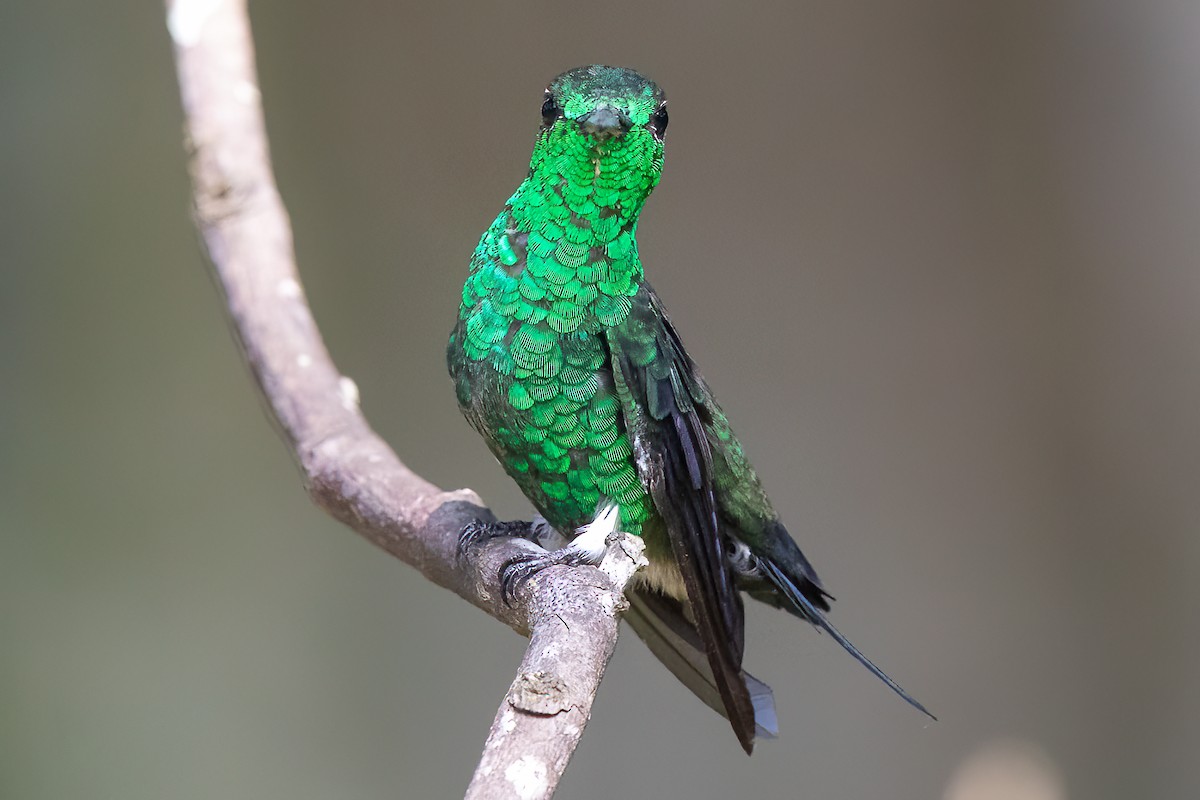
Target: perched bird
<point>564,360</point>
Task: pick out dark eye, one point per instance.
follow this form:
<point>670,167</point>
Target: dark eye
<point>658,122</point>
<point>550,111</point>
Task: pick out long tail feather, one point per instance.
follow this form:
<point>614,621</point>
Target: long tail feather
<point>814,615</point>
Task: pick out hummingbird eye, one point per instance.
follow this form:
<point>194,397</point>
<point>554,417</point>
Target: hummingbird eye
<point>550,111</point>
<point>658,122</point>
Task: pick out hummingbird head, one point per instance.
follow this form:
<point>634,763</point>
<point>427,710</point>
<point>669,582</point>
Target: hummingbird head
<point>602,125</point>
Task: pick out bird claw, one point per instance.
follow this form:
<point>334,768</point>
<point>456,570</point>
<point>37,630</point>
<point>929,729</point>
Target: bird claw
<point>517,571</point>
<point>479,532</point>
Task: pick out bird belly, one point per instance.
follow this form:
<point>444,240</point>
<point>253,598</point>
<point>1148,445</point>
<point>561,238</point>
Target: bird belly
<point>662,575</point>
<point>556,428</point>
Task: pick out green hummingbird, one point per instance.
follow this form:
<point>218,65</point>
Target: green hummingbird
<point>564,360</point>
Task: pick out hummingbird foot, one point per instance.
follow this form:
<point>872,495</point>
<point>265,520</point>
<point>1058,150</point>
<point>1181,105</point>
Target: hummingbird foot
<point>517,571</point>
<point>586,548</point>
<point>478,532</point>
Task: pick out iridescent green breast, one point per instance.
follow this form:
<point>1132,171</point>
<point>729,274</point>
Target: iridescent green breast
<point>532,371</point>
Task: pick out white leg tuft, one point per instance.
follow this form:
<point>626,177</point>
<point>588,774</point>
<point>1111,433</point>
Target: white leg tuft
<point>591,538</point>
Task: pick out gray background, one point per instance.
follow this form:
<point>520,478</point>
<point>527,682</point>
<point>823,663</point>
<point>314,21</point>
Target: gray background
<point>938,259</point>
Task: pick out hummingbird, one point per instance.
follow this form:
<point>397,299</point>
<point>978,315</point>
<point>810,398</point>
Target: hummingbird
<point>564,360</point>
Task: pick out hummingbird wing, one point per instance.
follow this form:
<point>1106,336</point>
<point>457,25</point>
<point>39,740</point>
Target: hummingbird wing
<point>717,516</point>
<point>666,414</point>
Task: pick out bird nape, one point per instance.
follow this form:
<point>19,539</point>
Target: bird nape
<point>564,360</point>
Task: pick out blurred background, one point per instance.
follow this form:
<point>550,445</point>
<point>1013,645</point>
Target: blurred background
<point>938,259</point>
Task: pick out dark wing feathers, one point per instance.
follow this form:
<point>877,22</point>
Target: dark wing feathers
<point>675,460</point>
<point>670,414</point>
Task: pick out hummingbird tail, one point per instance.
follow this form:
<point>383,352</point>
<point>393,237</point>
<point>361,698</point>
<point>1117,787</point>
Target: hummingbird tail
<point>810,612</point>
<point>659,621</point>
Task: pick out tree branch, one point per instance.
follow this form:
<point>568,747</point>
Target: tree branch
<point>571,614</point>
